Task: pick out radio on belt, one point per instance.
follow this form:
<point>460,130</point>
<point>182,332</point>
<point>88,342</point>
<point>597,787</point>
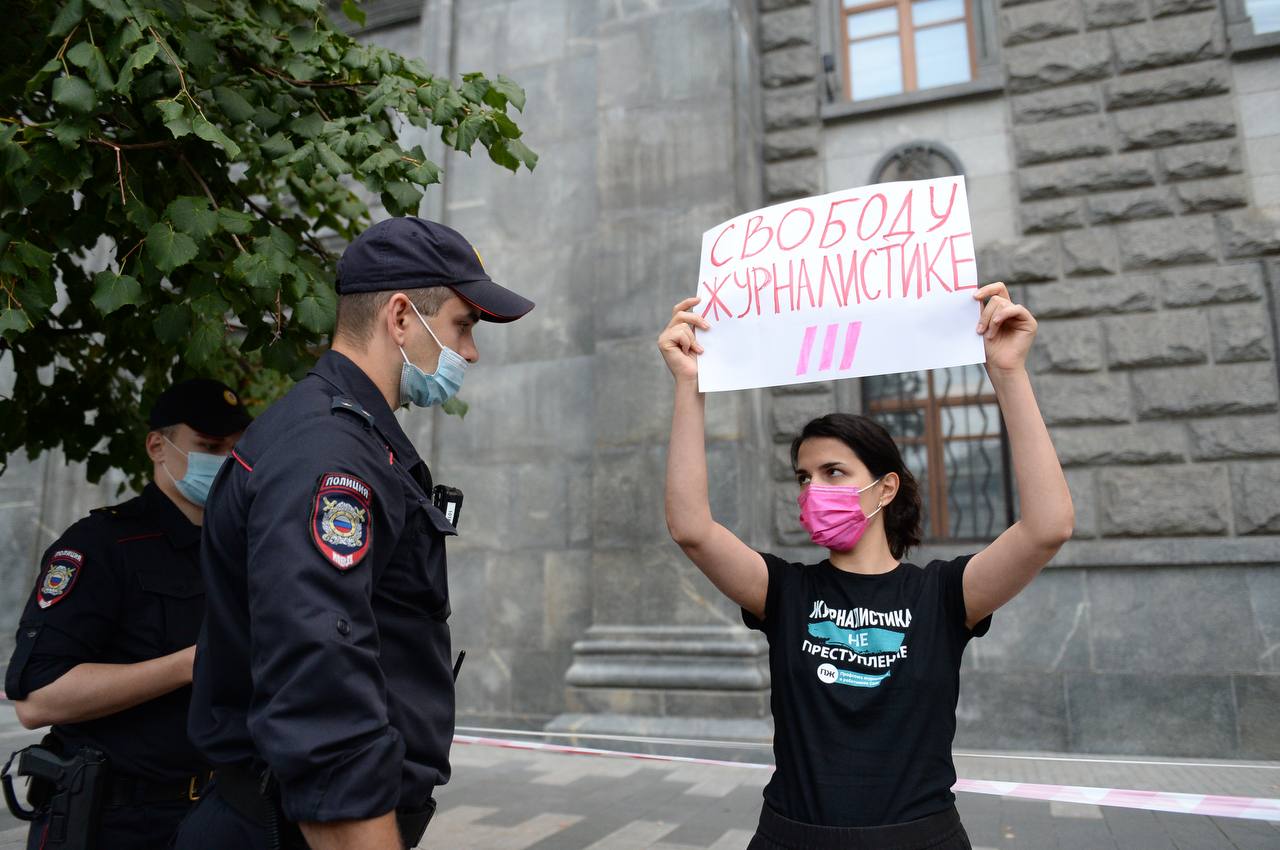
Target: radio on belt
<point>448,500</point>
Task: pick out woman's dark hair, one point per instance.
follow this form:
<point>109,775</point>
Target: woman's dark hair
<point>872,444</point>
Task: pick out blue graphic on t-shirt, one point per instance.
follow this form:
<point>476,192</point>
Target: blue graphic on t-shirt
<point>862,641</point>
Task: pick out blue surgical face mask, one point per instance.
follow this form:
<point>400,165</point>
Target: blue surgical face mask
<point>201,470</point>
<point>424,389</point>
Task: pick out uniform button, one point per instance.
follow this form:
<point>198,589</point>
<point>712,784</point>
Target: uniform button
<point>31,633</point>
<point>344,628</point>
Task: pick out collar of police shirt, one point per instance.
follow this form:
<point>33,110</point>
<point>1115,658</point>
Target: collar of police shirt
<point>154,506</point>
<point>350,380</point>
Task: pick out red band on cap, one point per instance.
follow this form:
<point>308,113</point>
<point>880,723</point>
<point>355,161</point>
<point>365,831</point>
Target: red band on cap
<point>481,309</point>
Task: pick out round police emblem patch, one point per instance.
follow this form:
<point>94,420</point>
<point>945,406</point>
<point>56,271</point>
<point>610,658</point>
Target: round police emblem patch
<point>59,576</point>
<point>340,519</point>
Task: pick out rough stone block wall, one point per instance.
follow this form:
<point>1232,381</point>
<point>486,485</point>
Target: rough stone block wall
<point>1146,259</point>
<point>793,169</point>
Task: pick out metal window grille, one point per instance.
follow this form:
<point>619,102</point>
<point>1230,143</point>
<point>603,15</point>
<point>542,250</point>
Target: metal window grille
<point>946,421</point>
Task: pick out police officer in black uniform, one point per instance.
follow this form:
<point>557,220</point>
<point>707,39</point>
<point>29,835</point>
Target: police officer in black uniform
<point>323,691</point>
<point>105,645</point>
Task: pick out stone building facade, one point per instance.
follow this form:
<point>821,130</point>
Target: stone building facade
<point>1122,159</point>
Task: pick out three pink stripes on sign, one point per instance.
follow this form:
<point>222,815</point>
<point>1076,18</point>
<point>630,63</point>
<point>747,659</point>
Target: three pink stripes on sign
<point>853,331</point>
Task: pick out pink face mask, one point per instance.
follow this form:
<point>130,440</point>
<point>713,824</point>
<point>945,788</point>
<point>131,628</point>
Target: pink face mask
<point>833,515</point>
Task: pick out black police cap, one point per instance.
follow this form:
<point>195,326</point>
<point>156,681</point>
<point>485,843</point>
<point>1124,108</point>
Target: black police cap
<point>208,406</point>
<point>413,253</point>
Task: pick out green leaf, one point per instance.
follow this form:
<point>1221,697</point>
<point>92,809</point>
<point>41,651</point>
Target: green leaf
<point>168,248</point>
<point>211,308</point>
<point>468,132</point>
<point>300,69</point>
<point>447,107</point>
<point>509,88</point>
<point>139,214</point>
<point>401,198</point>
<point>124,38</point>
<point>139,59</point>
<point>205,340</point>
<point>334,163</point>
<point>13,322</point>
<point>353,12</point>
<point>381,160</point>
<point>255,270</point>
<point>46,71</point>
<point>506,127</point>
<point>75,94</point>
<point>192,216</point>
<point>69,133</point>
<point>455,407</point>
<point>32,256</point>
<point>308,126</point>
<point>234,104</point>
<point>113,291</point>
<point>176,116</point>
<point>38,293</point>
<point>498,153</point>
<point>280,242</point>
<point>300,155</point>
<point>277,146</point>
<point>474,89</point>
<point>197,48</point>
<point>234,221</point>
<point>211,133</point>
<point>305,39</point>
<point>89,57</point>
<point>312,315</point>
<point>116,9</point>
<point>521,151</point>
<point>172,322</point>
<point>266,119</point>
<point>425,174</point>
<point>68,17</point>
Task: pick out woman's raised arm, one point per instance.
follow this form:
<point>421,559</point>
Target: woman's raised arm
<point>997,573</point>
<point>733,567</point>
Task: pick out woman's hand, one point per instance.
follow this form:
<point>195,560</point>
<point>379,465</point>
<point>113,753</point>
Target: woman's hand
<point>1008,328</point>
<point>678,342</point>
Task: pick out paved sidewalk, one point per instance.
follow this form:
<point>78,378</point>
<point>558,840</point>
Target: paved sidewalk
<point>505,799</point>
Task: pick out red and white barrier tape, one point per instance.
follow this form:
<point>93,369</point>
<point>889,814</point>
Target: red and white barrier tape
<point>1253,808</point>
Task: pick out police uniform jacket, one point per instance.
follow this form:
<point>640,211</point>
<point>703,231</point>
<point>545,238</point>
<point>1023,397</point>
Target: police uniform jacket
<point>325,655</point>
<point>119,587</point>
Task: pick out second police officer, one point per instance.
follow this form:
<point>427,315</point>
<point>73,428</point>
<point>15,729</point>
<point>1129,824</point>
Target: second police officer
<point>105,645</point>
<point>323,689</point>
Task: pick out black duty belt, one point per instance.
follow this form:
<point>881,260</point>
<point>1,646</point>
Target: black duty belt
<point>124,790</point>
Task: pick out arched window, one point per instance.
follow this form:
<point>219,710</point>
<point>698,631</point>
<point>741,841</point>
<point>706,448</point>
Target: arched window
<point>946,421</point>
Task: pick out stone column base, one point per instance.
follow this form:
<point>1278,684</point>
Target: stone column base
<point>695,682</point>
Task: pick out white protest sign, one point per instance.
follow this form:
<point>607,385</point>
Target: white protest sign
<point>867,281</point>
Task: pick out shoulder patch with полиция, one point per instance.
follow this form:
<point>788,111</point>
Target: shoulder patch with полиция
<point>341,517</point>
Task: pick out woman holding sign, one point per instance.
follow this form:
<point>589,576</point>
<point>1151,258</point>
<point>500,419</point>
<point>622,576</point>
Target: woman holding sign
<point>864,647</point>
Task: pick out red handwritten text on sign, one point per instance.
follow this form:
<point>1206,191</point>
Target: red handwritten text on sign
<point>850,250</point>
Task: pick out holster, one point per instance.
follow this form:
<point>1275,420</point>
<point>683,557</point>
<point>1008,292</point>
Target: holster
<point>68,791</point>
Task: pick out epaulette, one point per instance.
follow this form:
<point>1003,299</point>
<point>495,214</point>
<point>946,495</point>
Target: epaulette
<point>124,510</point>
<point>350,406</point>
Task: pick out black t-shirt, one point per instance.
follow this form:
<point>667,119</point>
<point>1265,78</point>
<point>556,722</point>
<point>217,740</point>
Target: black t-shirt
<point>866,673</point>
